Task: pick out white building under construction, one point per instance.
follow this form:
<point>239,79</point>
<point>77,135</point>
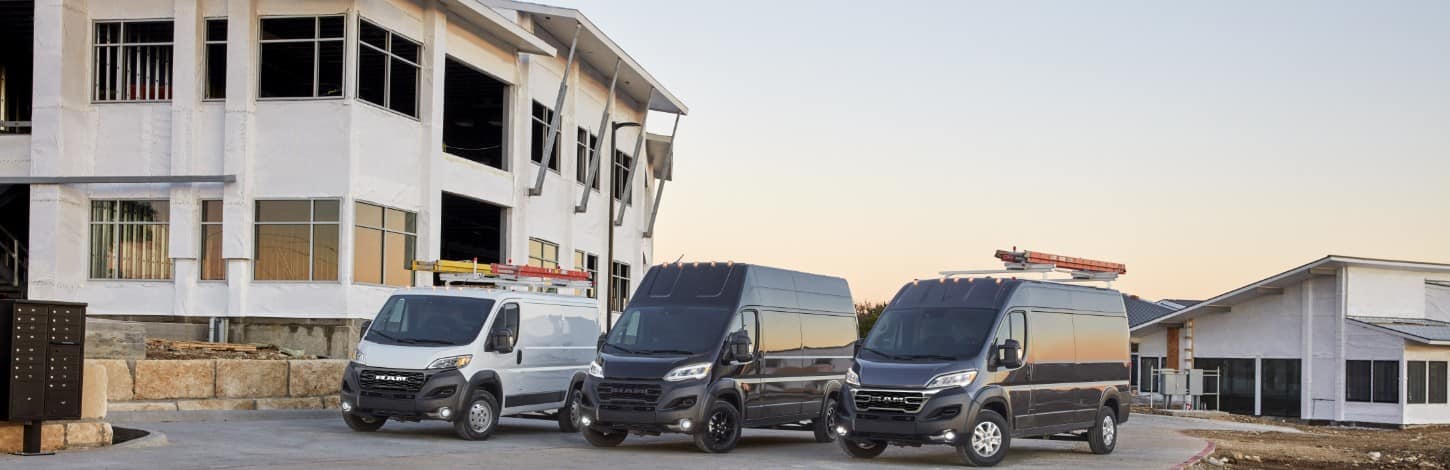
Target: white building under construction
<point>265,170</point>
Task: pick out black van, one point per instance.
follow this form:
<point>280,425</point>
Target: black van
<point>973,363</point>
<point>709,348</point>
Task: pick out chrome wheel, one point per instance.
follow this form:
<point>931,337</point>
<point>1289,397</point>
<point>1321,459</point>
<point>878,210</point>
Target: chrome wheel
<point>480,417</point>
<point>721,427</point>
<point>1110,430</point>
<point>574,417</point>
<point>986,439</point>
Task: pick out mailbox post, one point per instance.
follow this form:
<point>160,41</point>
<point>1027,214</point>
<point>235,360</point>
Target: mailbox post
<point>44,345</point>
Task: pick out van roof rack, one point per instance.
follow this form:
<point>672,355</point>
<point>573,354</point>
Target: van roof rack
<point>1077,269</point>
<point>506,275</point>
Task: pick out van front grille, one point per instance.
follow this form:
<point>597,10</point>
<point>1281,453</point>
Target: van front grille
<point>395,380</point>
<point>632,396</point>
<point>888,400</point>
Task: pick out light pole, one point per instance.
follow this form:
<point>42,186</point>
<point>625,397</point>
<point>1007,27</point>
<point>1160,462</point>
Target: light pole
<point>609,223</point>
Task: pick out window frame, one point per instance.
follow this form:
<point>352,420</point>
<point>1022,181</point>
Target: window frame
<point>121,46</point>
<point>535,122</point>
<point>619,175</point>
<point>1375,366</point>
<point>1428,386</point>
<point>316,41</point>
<point>201,241</point>
<point>618,283</point>
<point>583,153</point>
<point>581,263</point>
<point>383,243</point>
<point>542,245</point>
<point>502,318</point>
<point>116,242</point>
<point>206,58</point>
<point>388,54</point>
<point>311,239</point>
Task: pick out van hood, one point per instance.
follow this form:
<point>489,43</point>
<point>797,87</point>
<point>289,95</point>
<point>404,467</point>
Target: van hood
<point>904,374</point>
<point>404,357</point>
<point>617,366</point>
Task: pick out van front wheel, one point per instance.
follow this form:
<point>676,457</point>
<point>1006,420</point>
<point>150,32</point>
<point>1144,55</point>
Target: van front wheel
<point>603,439</point>
<point>1103,436</point>
<point>825,425</point>
<point>569,414</point>
<point>862,449</point>
<point>721,430</point>
<point>986,441</point>
<point>363,423</point>
<point>479,417</point>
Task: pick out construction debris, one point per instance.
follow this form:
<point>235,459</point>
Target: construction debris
<point>176,349</point>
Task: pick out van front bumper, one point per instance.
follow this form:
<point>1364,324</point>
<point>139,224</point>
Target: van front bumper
<point>941,411</point>
<point>404,394</point>
<point>648,406</point>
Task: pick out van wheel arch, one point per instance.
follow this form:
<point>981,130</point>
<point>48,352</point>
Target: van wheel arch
<point>485,380</point>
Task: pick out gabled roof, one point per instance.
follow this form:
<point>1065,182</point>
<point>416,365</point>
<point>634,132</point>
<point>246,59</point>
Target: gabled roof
<point>1181,303</point>
<point>1276,283</point>
<point>1141,311</point>
<point>1415,329</point>
<point>597,50</point>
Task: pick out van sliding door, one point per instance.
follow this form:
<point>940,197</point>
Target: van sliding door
<point>781,388</point>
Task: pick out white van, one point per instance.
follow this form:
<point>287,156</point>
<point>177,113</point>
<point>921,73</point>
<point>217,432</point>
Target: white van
<point>469,356</point>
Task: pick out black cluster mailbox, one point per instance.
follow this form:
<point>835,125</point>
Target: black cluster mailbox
<point>45,349</point>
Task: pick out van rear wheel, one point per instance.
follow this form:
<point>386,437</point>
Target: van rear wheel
<point>862,449</point>
<point>1103,436</point>
<point>363,423</point>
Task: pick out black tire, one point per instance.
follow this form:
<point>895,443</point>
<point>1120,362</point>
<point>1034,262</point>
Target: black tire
<point>825,425</point>
<point>363,423</point>
<point>862,449</point>
<point>986,440</point>
<point>721,430</point>
<point>603,439</point>
<point>569,414</point>
<point>1103,436</point>
<point>479,417</point>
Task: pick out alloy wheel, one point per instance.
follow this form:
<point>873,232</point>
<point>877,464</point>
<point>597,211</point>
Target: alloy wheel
<point>1110,430</point>
<point>986,439</point>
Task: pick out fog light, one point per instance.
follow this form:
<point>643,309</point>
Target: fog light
<point>686,424</point>
<point>585,420</point>
<point>346,406</point>
<point>841,430</point>
<point>949,436</point>
<point>445,413</point>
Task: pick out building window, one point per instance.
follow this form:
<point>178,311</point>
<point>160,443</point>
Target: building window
<point>129,240</point>
<point>296,240</point>
<point>132,61</point>
<point>213,266</point>
<point>621,173</point>
<point>543,254</point>
<point>216,59</point>
<point>301,57</point>
<point>1372,381</point>
<point>618,286</point>
<point>582,153</point>
<point>543,116</point>
<point>387,69</point>
<point>588,263</point>
<point>384,241</point>
<point>1426,382</point>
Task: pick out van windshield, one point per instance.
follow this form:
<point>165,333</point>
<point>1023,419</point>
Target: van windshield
<point>913,334</point>
<point>429,320</point>
<point>668,329</point>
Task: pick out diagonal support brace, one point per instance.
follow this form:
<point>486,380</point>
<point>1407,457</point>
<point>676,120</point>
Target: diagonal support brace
<point>599,144</point>
<point>628,187</point>
<point>654,212</point>
<point>554,123</point>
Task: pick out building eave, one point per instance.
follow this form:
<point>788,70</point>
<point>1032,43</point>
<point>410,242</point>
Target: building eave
<point>493,22</point>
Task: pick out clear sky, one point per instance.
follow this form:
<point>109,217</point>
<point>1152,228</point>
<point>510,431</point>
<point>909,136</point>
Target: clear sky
<point>1205,144</point>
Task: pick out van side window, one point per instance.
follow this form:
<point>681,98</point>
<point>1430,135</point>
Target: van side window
<point>508,317</point>
<point>1014,326</point>
<point>781,333</point>
<point>828,335</point>
<point>748,324</point>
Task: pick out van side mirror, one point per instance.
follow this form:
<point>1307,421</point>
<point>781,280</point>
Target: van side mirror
<point>600,344</point>
<point>1009,354</point>
<point>362,330</point>
<point>739,348</point>
<point>501,340</point>
<point>856,348</point>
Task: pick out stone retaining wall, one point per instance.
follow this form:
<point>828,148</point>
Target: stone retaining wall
<point>221,384</point>
<point>57,435</point>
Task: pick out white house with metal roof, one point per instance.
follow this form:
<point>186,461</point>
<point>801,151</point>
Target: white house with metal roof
<point>1340,339</point>
<point>267,168</point>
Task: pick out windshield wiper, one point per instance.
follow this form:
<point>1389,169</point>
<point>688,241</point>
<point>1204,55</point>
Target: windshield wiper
<point>884,354</point>
<point>382,335</point>
<point>423,341</point>
<point>930,356</point>
<point>622,348</point>
<point>667,351</point>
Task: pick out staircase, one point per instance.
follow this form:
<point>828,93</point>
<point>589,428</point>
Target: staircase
<point>14,262</point>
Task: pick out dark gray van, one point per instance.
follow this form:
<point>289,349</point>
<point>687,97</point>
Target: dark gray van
<point>973,363</point>
<point>709,348</point>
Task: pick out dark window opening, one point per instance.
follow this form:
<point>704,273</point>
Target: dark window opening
<point>1357,381</point>
<point>216,59</point>
<point>1279,390</point>
<point>1417,383</point>
<point>542,118</point>
<point>1235,382</point>
<point>1426,382</point>
<point>1438,381</point>
<point>387,69</point>
<point>17,27</point>
<point>1372,381</point>
<point>471,229</point>
<point>618,286</point>
<point>583,153</point>
<point>131,61</point>
<point>301,57</point>
<point>474,109</point>
<point>622,163</point>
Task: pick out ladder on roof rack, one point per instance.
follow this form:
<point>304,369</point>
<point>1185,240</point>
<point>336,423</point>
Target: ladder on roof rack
<point>507,275</point>
<point>1078,269</point>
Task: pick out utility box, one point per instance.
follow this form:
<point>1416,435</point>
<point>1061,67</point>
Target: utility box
<point>44,344</point>
<point>1174,383</point>
<point>1195,382</point>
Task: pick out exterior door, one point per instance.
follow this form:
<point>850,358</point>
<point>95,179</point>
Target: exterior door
<point>1054,360</point>
<point>1017,381</point>
<point>506,363</point>
<point>748,373</point>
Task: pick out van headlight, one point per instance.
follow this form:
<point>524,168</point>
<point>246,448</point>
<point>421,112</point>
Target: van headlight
<point>596,370</point>
<point>689,372</point>
<point>451,362</point>
<point>852,378</point>
<point>953,379</point>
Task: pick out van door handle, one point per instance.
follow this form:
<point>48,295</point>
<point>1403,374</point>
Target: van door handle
<point>519,357</point>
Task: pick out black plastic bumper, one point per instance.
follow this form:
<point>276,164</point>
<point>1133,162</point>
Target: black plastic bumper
<point>439,388</point>
<point>943,411</point>
<point>676,401</point>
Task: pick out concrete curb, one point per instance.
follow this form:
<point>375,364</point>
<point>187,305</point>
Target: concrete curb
<point>1202,454</point>
<point>151,439</point>
<point>141,417</point>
